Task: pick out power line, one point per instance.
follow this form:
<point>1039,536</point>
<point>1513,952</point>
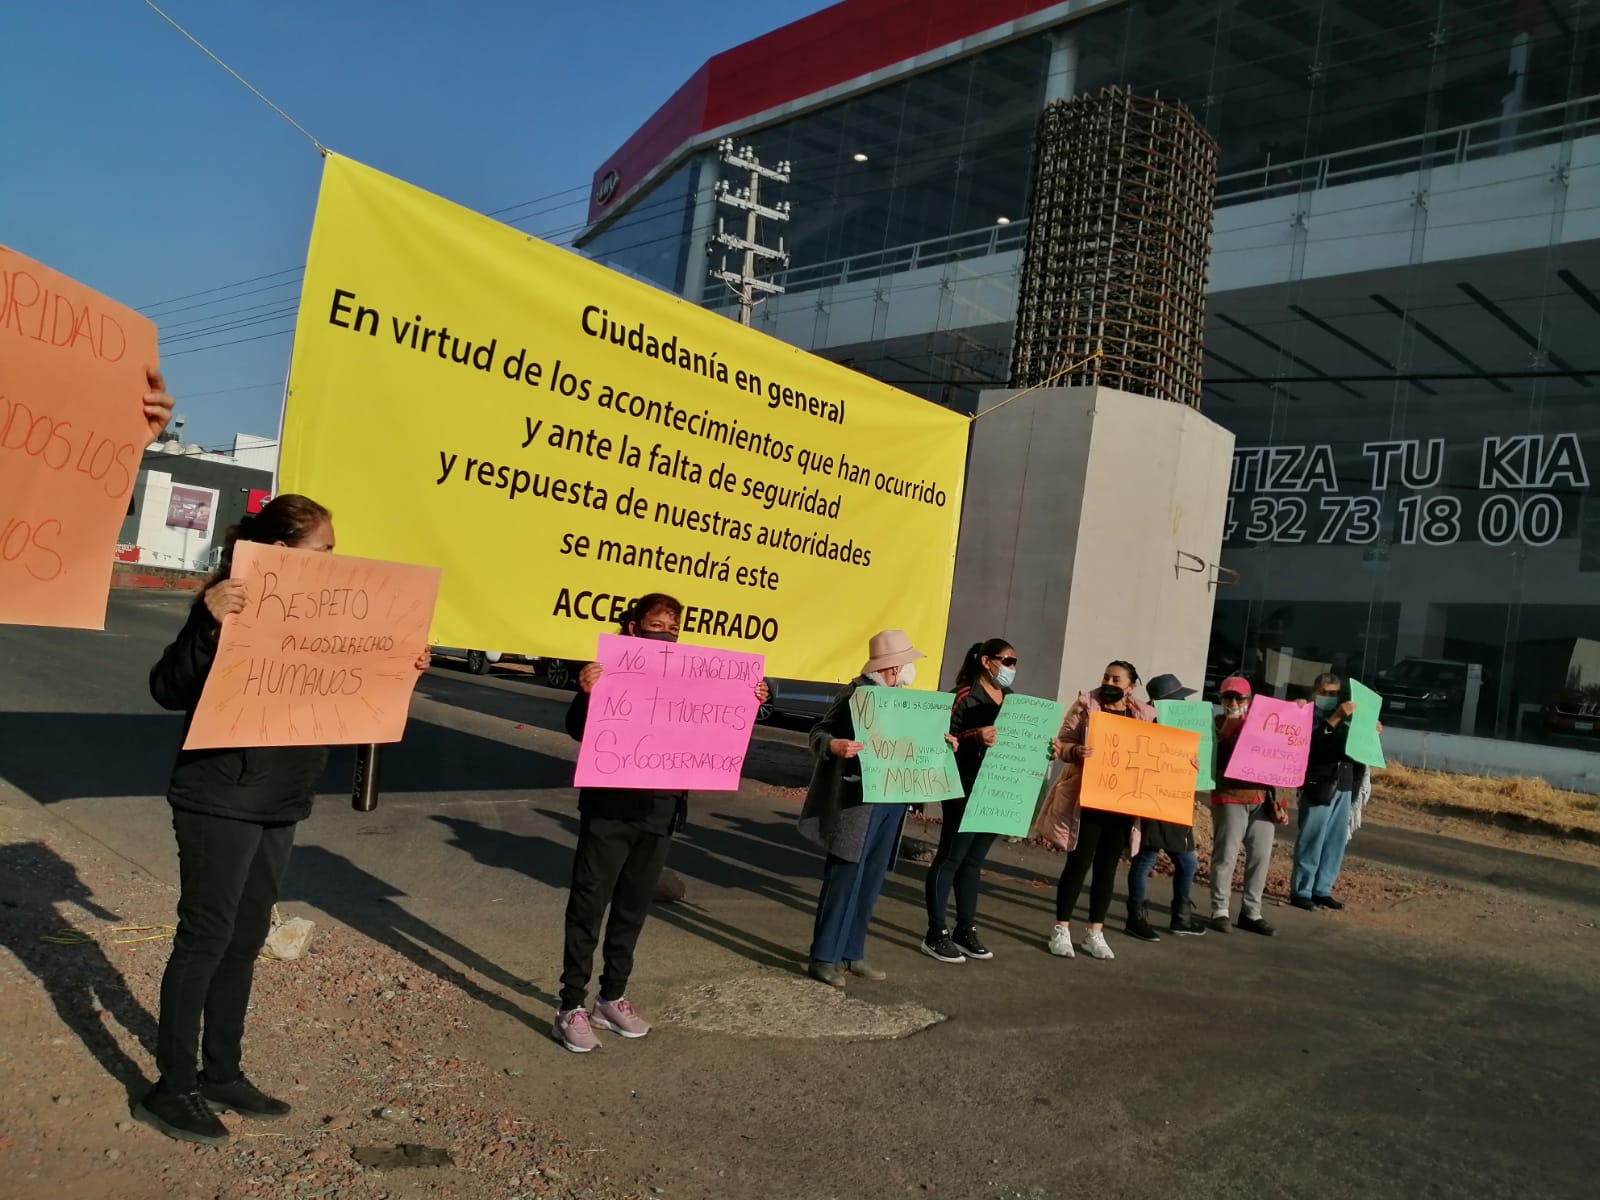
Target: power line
<point>154,304</point>
<point>145,308</point>
<point>247,387</point>
<point>235,342</point>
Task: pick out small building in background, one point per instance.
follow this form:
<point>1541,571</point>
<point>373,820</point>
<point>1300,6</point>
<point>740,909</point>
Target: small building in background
<point>187,497</point>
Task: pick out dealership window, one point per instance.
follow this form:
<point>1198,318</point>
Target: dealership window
<point>650,240</point>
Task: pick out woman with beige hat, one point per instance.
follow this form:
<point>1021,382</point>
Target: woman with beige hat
<point>859,838</point>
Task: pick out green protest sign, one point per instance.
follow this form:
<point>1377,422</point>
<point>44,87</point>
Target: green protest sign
<point>904,757</point>
<point>1362,742</point>
<point>1012,775</point>
<point>1197,717</point>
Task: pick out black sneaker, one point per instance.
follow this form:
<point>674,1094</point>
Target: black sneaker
<point>1256,925</point>
<point>183,1115</point>
<point>1183,924</point>
<point>1219,923</point>
<point>938,945</point>
<point>1327,902</point>
<point>967,942</point>
<point>1138,924</point>
<point>243,1097</point>
<point>1304,902</point>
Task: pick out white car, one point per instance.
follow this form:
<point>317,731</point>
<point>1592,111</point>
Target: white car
<point>556,672</point>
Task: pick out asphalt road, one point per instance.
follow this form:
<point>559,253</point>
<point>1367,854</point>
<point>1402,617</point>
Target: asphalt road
<point>1336,1060</point>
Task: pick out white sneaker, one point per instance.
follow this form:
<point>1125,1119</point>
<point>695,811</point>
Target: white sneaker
<point>1061,942</point>
<point>1095,945</point>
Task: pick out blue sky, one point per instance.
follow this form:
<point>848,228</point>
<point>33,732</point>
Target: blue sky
<point>133,163</point>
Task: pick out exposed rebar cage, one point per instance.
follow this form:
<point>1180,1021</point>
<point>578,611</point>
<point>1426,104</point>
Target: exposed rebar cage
<point>1119,237</point>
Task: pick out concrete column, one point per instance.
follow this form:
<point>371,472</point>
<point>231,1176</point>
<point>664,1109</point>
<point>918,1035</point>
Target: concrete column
<point>1085,515</point>
<point>697,263</point>
<point>1061,78</point>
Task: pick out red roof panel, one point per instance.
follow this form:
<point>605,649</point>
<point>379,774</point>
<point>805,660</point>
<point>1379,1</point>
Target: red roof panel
<point>811,55</point>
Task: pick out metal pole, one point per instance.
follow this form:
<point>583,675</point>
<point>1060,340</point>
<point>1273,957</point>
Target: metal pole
<point>747,297</point>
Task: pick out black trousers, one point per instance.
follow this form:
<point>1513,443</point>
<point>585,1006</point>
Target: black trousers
<point>229,873</point>
<point>958,864</point>
<point>617,862</point>
<point>1102,837</point>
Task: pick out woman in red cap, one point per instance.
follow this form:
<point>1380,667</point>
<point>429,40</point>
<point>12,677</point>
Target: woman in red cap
<point>1241,814</point>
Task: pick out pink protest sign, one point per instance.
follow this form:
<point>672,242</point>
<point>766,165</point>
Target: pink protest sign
<point>1273,744</point>
<point>670,716</point>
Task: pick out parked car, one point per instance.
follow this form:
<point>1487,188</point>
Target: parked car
<point>1426,692</point>
<point>797,699</point>
<point>555,672</point>
<point>1574,713</point>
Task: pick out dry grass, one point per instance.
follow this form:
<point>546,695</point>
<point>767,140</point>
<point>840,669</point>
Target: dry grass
<point>1513,802</point>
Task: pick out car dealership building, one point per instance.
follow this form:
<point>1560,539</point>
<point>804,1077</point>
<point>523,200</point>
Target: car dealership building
<point>1403,328</point>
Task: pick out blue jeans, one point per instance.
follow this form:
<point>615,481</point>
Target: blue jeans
<point>1319,846</point>
<point>1183,869</point>
<point>850,890</point>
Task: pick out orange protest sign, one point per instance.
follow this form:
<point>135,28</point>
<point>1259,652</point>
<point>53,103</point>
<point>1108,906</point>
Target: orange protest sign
<point>323,654</point>
<point>72,431</point>
<point>1140,768</point>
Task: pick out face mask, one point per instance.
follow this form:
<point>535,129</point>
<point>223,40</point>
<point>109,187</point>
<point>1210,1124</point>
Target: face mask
<point>1325,704</point>
<point>908,674</point>
<point>657,635</point>
<point>1109,693</point>
<point>1235,710</point>
<point>1006,676</point>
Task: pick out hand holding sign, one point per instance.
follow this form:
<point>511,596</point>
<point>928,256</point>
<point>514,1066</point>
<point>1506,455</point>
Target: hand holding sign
<point>1274,743</point>
<point>316,649</point>
<point>1139,768</point>
<point>905,758</point>
<point>72,431</point>
<point>1362,742</point>
<point>667,715</point>
<point>157,404</point>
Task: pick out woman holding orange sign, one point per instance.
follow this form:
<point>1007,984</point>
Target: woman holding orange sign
<point>234,812</point>
<point>1093,838</point>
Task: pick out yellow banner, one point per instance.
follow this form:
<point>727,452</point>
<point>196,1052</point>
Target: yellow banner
<point>561,439</point>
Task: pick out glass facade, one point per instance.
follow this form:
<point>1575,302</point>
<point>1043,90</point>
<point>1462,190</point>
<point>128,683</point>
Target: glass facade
<point>1411,379</point>
<point>651,240</point>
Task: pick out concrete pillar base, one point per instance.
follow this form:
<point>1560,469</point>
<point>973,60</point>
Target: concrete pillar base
<point>1090,530</point>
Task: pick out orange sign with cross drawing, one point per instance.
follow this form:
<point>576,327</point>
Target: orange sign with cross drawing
<point>1140,768</point>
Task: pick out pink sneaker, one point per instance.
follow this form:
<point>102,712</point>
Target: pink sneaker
<point>619,1017</point>
<point>573,1031</point>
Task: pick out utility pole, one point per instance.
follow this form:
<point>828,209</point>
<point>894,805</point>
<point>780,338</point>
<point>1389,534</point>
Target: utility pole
<point>748,199</point>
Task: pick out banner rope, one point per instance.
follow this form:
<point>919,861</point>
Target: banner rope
<point>1043,383</point>
<point>321,149</point>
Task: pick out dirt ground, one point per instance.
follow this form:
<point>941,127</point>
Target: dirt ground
<point>403,1050</point>
<point>1523,814</point>
<point>361,1023</point>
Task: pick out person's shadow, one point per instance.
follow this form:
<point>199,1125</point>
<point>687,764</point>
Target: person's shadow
<point>36,886</point>
<point>368,905</point>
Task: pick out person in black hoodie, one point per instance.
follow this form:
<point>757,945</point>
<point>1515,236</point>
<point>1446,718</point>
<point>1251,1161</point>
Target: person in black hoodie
<point>623,838</point>
<point>234,813</point>
<point>982,684</point>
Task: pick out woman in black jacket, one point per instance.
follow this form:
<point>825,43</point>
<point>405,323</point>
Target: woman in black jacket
<point>982,684</point>
<point>234,813</point>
